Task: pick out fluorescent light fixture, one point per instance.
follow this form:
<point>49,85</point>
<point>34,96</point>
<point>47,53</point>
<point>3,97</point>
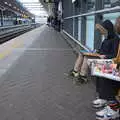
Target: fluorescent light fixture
<point>10,5</point>
<point>14,7</point>
<point>6,3</point>
<point>34,6</point>
<point>73,1</point>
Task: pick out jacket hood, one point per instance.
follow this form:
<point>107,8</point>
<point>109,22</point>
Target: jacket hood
<point>107,24</point>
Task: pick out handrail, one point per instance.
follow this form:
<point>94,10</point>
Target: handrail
<point>13,31</point>
<point>95,12</point>
<point>75,40</point>
<point>15,26</point>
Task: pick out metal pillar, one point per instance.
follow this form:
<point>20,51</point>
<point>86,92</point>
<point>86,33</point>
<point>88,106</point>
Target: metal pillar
<point>1,17</point>
<point>83,21</point>
<point>68,11</point>
<point>76,12</point>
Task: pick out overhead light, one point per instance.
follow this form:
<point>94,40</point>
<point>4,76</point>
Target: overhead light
<point>10,5</point>
<point>6,3</point>
<point>73,1</point>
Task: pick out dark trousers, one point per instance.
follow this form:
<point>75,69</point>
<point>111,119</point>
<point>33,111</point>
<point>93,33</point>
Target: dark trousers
<point>106,88</point>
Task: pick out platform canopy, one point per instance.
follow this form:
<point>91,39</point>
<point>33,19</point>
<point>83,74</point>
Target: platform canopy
<point>15,6</point>
<point>35,7</point>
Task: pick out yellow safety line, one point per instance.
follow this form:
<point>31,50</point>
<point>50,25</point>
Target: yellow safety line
<point>9,51</point>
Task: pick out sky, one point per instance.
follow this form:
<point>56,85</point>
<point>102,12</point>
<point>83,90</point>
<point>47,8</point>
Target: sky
<point>35,7</point>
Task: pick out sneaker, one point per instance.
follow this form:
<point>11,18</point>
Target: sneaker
<point>107,114</point>
<point>114,105</point>
<point>74,73</point>
<point>82,79</point>
<point>99,103</point>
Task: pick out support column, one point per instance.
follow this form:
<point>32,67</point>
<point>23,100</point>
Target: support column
<point>76,12</point>
<point>1,17</point>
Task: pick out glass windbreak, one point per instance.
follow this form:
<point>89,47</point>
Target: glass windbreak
<point>111,16</point>
<point>90,32</point>
<point>68,26</point>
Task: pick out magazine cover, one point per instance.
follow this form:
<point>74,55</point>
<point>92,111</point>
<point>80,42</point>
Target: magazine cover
<point>104,68</point>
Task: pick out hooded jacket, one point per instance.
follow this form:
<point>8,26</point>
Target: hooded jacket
<point>110,45</point>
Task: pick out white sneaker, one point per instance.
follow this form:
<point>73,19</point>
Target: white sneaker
<point>99,103</point>
<point>107,113</point>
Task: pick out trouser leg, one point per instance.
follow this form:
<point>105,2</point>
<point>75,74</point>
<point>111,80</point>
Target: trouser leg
<point>78,62</point>
<point>84,67</point>
<point>106,88</point>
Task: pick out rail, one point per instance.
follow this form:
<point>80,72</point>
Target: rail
<point>9,32</point>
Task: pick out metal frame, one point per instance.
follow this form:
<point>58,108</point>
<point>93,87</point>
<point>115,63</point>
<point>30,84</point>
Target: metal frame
<point>99,10</point>
<point>107,10</point>
<point>76,41</point>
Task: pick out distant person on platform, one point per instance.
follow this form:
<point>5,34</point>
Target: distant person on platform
<point>48,21</point>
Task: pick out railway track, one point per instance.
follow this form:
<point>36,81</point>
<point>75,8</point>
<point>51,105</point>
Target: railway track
<point>7,33</point>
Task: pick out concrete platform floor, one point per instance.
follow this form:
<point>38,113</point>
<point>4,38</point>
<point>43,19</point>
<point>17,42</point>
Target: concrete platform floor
<point>34,87</point>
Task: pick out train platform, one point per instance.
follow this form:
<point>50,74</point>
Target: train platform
<point>33,84</point>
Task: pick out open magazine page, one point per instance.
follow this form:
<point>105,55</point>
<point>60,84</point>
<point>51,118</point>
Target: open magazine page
<point>104,68</point>
<point>86,49</point>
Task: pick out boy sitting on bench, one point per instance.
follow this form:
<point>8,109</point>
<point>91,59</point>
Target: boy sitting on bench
<point>108,50</point>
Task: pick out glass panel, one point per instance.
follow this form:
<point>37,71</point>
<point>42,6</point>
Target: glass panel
<point>90,32</point>
<point>111,16</point>
<point>91,5</point>
<point>68,26</point>
<point>75,28</point>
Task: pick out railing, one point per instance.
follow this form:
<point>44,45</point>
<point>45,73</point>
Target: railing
<point>9,32</point>
<point>117,8</point>
<point>11,27</point>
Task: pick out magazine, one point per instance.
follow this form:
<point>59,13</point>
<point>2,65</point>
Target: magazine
<point>86,49</point>
<point>104,68</point>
